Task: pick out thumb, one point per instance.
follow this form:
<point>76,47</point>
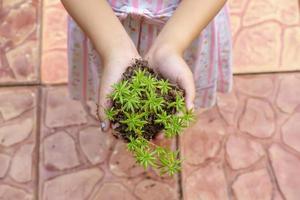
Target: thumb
<point>186,82</point>
<point>104,103</point>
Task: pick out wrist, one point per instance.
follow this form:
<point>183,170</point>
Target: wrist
<point>117,49</point>
<point>160,51</point>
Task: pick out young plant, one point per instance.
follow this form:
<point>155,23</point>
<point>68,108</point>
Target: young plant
<point>143,105</point>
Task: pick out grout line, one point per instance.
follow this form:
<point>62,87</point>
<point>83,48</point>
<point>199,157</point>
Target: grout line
<point>41,31</point>
<point>38,131</point>
<point>180,189</point>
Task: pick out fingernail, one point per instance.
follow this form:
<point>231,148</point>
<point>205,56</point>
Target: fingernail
<point>190,106</point>
<point>103,126</point>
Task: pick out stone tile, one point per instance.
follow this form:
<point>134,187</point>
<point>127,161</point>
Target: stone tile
<point>12,106</point>
<point>286,12</point>
<point>291,46</point>
<point>4,164</point>
<point>290,132</point>
<point>60,151</point>
<point>19,44</point>
<point>62,111</point>
<point>21,164</point>
<point>257,48</point>
<point>113,191</point>
<point>76,185</point>
<point>246,122</point>
<point>206,183</point>
<point>54,67</point>
<point>8,192</point>
<point>13,133</point>
<point>242,152</point>
<point>18,159</point>
<point>261,45</point>
<point>199,145</point>
<point>286,167</point>
<point>122,164</point>
<point>237,6</point>
<point>79,161</point>
<point>258,119</point>
<point>94,145</point>
<point>288,95</point>
<point>253,185</point>
<point>154,190</point>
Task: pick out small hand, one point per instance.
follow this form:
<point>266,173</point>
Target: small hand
<point>113,68</point>
<point>172,66</point>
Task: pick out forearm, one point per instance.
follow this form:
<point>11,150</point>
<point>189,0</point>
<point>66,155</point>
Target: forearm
<point>189,19</point>
<point>98,21</point>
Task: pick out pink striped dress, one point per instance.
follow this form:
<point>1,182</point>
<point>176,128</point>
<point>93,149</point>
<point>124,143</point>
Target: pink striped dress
<point>209,55</point>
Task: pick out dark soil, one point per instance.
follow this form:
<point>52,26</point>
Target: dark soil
<point>151,129</point>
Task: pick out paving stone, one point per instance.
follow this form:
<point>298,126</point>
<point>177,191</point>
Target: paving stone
<point>23,60</point>
<point>258,119</point>
<point>200,145</point>
<point>10,3</point>
<point>241,152</point>
<point>4,164</point>
<point>235,24</point>
<point>286,167</point>
<point>11,193</point>
<point>13,103</point>
<point>206,183</point>
<point>253,185</point>
<point>19,23</point>
<point>122,162</point>
<point>61,110</point>
<point>95,144</point>
<point>54,48</point>
<point>113,191</point>
<point>75,186</point>
<point>60,152</point>
<point>265,39</point>
<point>286,12</point>
<point>12,133</point>
<point>154,190</point>
<point>291,46</point>
<point>54,66</point>
<point>228,105</point>
<point>255,86</point>
<point>288,95</point>
<point>21,164</point>
<point>290,132</point>
<point>237,6</point>
<point>278,196</point>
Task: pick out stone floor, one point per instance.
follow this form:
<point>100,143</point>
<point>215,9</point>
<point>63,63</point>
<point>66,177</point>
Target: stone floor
<point>246,147</point>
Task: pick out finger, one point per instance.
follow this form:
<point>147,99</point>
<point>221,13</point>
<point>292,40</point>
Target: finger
<point>107,80</point>
<point>186,82</point>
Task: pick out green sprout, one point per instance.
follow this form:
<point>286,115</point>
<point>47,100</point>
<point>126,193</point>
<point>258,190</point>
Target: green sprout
<point>143,103</point>
<point>111,113</point>
<point>164,86</point>
<point>178,103</point>
<point>131,102</point>
<point>149,83</point>
<point>174,127</point>
<point>134,121</point>
<point>153,102</point>
<point>120,91</point>
<point>163,118</point>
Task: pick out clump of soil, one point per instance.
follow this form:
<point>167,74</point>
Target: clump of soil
<point>151,128</point>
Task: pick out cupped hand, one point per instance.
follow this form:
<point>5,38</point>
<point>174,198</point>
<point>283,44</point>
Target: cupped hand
<point>171,65</point>
<point>114,66</point>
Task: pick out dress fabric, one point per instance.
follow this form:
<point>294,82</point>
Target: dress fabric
<point>209,56</point>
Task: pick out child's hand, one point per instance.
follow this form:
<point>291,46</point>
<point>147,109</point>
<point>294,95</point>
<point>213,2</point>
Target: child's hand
<point>113,67</point>
<point>171,65</point>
